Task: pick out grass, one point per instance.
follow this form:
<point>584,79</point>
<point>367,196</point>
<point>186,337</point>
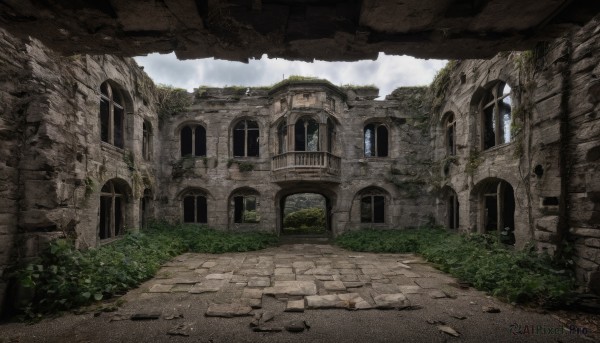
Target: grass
<point>515,276</point>
<point>62,277</point>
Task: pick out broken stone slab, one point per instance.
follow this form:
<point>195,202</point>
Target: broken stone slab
<point>391,301</point>
<point>252,293</point>
<point>291,288</point>
<point>145,316</point>
<point>295,326</point>
<point>283,271</point>
<point>207,286</point>
<point>295,306</point>
<point>219,276</point>
<point>267,329</point>
<point>160,288</point>
<point>181,287</point>
<point>228,310</point>
<point>180,330</point>
<point>322,271</point>
<point>448,330</point>
<point>354,284</point>
<point>350,301</point>
<point>437,294</point>
<point>409,289</point>
<point>323,277</point>
<point>254,303</point>
<point>259,281</point>
<point>261,318</point>
<point>334,286</point>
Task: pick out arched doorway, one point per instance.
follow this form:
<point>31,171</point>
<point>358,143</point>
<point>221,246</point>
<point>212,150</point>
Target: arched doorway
<point>495,199</point>
<point>305,214</point>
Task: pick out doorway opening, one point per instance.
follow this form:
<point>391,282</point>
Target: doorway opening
<point>305,214</point>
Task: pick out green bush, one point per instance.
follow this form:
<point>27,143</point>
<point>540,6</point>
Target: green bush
<point>520,276</point>
<point>307,217</point>
<point>63,277</point>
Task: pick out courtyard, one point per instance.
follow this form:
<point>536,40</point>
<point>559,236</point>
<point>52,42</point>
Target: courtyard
<point>327,293</point>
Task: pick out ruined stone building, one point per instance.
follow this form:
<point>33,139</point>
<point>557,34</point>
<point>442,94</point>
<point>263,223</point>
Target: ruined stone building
<point>509,144</point>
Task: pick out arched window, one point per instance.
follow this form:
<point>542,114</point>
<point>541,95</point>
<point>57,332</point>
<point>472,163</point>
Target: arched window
<point>246,139</point>
<point>193,140</point>
<point>245,209</point>
<point>282,135</point>
<point>450,125</point>
<point>146,140</point>
<point>372,206</point>
<point>145,208</point>
<point>496,201</point>
<point>195,208</point>
<point>452,209</point>
<point>112,198</point>
<point>376,140</point>
<point>496,116</point>
<point>306,133</point>
<point>112,115</point>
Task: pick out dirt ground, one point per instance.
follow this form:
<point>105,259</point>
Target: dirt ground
<point>345,297</point>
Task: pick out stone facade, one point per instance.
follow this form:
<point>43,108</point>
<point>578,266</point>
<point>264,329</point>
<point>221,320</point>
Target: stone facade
<point>509,144</point>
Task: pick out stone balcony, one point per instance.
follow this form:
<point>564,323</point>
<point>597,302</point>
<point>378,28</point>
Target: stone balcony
<point>306,166</point>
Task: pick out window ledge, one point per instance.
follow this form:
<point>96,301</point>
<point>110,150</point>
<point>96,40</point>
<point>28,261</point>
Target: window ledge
<point>111,148</point>
<point>498,147</point>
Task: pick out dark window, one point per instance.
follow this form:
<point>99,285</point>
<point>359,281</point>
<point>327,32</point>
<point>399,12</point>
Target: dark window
<point>282,137</point>
<point>193,141</point>
<point>112,115</point>
<point>195,209</point>
<point>496,116</point>
<point>246,139</point>
<point>306,131</point>
<point>376,140</point>
<point>245,209</point>
<point>147,140</point>
<point>372,209</point>
<point>111,211</point>
<point>330,135</point>
<point>452,205</point>
<point>450,135</point>
<point>145,208</point>
<point>499,210</point>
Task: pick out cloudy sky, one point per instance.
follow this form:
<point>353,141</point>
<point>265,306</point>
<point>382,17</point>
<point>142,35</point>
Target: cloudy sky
<point>387,72</point>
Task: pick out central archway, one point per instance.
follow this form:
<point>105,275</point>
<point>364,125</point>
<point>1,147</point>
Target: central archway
<point>302,201</point>
<point>304,213</point>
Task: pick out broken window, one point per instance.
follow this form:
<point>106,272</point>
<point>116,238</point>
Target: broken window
<point>372,209</point>
<point>145,204</point>
<point>498,205</point>
<point>146,140</point>
<point>282,137</point>
<point>195,208</point>
<point>452,207</point>
<point>376,140</point>
<point>112,115</point>
<point>496,116</point>
<point>111,211</point>
<point>193,140</point>
<point>306,134</point>
<point>245,209</point>
<point>450,134</point>
<point>246,139</point>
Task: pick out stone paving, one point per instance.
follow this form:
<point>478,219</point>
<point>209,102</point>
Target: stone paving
<point>304,276</point>
<point>326,293</point>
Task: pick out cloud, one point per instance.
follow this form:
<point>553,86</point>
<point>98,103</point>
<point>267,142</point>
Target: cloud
<point>387,72</point>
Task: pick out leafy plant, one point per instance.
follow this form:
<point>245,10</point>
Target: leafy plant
<point>305,220</point>
<point>63,277</point>
<point>520,276</point>
<point>171,100</point>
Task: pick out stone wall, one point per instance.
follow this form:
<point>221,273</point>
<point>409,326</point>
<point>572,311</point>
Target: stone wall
<point>54,163</point>
<point>551,160</point>
<point>399,176</point>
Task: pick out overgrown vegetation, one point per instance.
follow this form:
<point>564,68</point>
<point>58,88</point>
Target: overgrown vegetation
<point>63,277</point>
<point>475,160</point>
<point>171,100</point>
<point>306,220</point>
<point>242,166</point>
<point>440,85</point>
<point>519,276</point>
